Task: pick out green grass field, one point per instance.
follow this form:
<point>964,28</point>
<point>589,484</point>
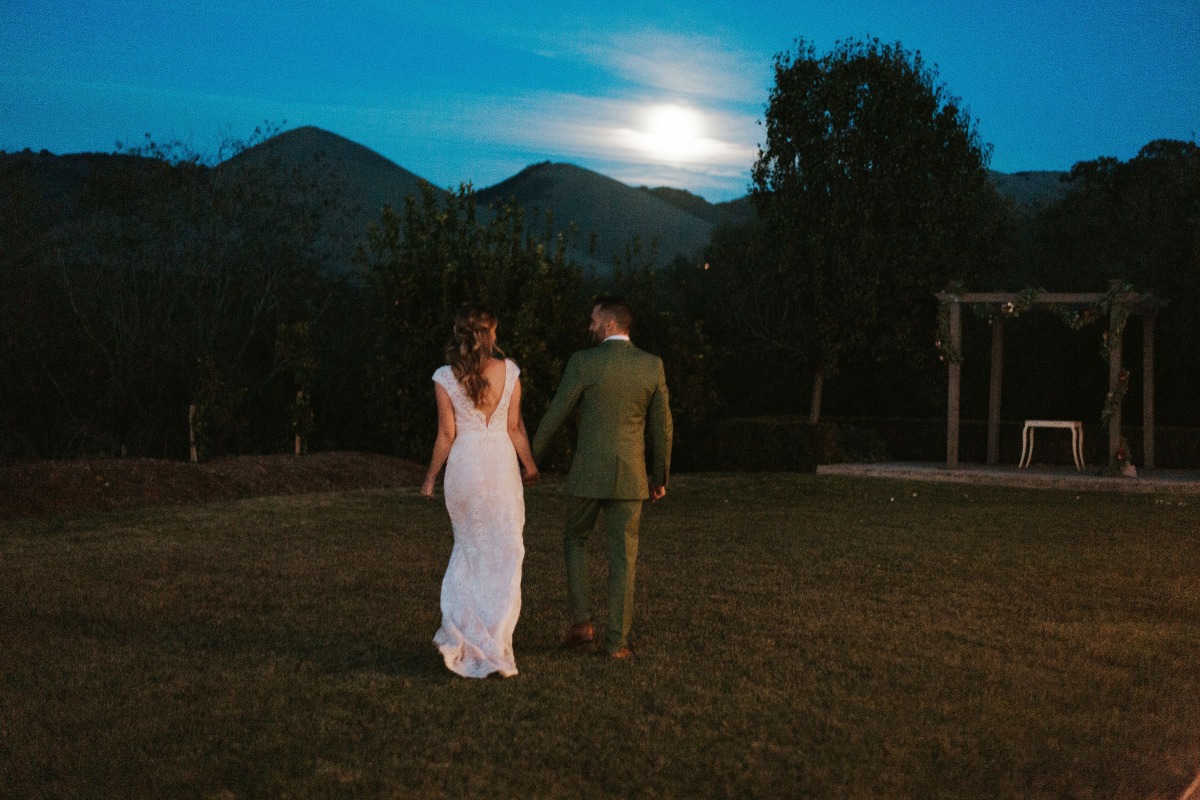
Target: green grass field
<point>797,636</point>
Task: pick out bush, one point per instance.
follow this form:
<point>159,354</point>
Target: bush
<point>752,444</point>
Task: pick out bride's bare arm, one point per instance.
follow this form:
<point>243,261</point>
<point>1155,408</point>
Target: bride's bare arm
<point>445,438</point>
<point>520,439</point>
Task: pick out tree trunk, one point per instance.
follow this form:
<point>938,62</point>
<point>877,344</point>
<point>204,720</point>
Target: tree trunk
<point>192,433</point>
<point>299,403</point>
<point>818,386</point>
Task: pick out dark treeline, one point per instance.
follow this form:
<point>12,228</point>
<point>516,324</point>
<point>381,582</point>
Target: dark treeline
<point>1137,222</point>
<point>137,286</point>
<point>873,195</point>
<point>163,283</point>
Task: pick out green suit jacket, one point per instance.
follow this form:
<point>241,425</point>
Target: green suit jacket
<point>621,395</point>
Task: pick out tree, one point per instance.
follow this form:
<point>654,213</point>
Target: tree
<point>153,281</point>
<point>1137,221</point>
<point>32,357</point>
<point>670,322</point>
<point>423,264</point>
<point>873,193</point>
<point>748,294</point>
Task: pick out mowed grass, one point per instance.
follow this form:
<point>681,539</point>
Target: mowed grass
<point>796,636</point>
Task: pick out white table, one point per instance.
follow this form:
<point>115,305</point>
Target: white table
<point>1031,425</point>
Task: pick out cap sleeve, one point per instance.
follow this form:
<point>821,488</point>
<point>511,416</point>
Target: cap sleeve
<point>445,376</point>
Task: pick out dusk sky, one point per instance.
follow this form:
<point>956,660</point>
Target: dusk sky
<point>648,93</point>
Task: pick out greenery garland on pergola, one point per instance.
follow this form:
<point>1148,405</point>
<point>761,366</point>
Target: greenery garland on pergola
<point>1077,309</point>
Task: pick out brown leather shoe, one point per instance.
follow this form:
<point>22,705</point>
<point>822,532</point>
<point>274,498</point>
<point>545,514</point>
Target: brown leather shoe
<point>621,654</point>
<point>580,635</point>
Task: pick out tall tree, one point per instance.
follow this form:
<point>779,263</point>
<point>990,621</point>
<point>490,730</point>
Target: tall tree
<point>424,263</point>
<point>671,322</point>
<point>873,191</point>
<point>1137,221</point>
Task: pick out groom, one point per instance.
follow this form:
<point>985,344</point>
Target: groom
<point>621,396</point>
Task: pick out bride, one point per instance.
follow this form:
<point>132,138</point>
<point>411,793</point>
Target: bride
<point>481,437</point>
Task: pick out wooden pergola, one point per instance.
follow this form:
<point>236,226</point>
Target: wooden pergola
<point>1121,302</point>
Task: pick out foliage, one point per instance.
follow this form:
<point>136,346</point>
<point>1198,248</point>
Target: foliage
<point>873,193</point>
<point>165,283</point>
<point>670,324</point>
<point>754,444</point>
<point>293,346</point>
<point>1137,222</point>
<point>215,404</point>
<point>424,264</point>
<point>161,263</point>
<point>1119,462</point>
<point>137,284</point>
<point>1115,396</point>
<point>36,359</point>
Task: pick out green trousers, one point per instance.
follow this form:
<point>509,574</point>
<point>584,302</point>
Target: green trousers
<point>621,521</point>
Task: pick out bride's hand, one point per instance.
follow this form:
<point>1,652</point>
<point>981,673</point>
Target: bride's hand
<point>427,488</point>
<point>531,477</point>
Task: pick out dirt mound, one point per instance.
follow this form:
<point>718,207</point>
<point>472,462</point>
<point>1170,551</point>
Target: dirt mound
<point>48,487</point>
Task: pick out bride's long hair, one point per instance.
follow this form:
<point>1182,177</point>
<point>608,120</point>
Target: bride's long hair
<point>470,348</point>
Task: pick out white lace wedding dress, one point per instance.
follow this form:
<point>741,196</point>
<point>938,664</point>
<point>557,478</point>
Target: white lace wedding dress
<point>481,592</point>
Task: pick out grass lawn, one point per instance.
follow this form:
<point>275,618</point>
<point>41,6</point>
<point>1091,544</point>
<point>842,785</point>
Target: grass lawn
<point>797,636</point>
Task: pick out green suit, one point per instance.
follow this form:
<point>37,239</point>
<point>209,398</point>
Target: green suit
<point>620,393</point>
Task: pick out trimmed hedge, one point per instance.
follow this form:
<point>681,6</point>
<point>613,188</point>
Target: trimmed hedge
<point>756,444</point>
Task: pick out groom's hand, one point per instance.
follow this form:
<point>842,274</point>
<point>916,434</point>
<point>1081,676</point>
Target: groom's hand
<point>657,492</point>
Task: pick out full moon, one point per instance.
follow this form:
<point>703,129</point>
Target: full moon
<point>673,133</point>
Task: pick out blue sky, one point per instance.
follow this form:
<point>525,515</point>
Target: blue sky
<point>645,92</point>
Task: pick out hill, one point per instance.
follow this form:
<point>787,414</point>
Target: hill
<point>359,181</point>
<point>1031,191</point>
<point>55,182</point>
<point>732,212</point>
<point>369,180</point>
<point>606,213</point>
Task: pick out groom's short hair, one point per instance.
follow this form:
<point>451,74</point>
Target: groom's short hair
<point>617,309</point>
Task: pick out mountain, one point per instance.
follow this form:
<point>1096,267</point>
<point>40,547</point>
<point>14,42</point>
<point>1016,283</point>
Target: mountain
<point>1031,191</point>
<point>602,209</point>
<point>370,180</point>
<point>606,213</point>
<point>56,182</point>
<point>361,180</point>
<point>732,212</point>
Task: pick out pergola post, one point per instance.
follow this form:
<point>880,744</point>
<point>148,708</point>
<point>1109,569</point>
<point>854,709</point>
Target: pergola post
<point>954,384</point>
<point>1115,347</point>
<point>1121,303</point>
<point>993,440</point>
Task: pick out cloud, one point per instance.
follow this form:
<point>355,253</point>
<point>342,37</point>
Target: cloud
<point>605,127</point>
<point>715,91</point>
<point>694,66</point>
